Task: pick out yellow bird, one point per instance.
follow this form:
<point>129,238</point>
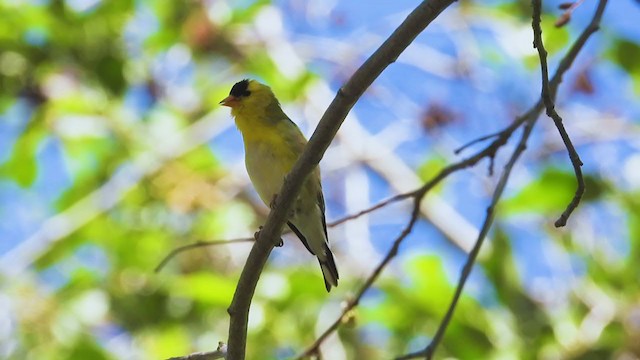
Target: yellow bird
<point>272,144</point>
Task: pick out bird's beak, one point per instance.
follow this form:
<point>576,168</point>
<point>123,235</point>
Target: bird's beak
<point>230,101</point>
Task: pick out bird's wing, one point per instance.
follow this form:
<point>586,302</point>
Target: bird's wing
<point>297,142</point>
<point>300,236</point>
<point>322,207</point>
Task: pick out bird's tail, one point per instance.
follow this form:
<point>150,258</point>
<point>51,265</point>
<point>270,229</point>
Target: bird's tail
<point>329,270</point>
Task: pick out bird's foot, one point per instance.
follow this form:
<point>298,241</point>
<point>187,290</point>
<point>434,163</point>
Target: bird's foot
<point>256,235</point>
<point>272,203</point>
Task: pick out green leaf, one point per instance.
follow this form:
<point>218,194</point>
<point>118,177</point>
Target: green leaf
<point>208,288</point>
<point>626,54</point>
<point>549,193</point>
<point>167,342</point>
<point>58,250</point>
<point>22,165</point>
<point>631,204</point>
<point>500,268</point>
<point>80,280</point>
<point>83,158</point>
<point>552,191</point>
<point>85,349</point>
<point>247,13</point>
<point>428,276</point>
<point>110,72</point>
<point>519,9</point>
<point>431,167</point>
<point>555,39</point>
<point>201,160</point>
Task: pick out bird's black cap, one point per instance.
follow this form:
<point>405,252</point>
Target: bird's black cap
<point>240,89</point>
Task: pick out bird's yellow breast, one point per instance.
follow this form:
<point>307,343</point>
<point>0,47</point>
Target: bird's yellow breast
<point>268,158</point>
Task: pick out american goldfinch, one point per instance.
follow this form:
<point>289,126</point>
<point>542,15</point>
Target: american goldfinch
<point>272,144</point>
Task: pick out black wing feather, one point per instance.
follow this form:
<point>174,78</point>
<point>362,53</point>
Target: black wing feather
<point>300,236</point>
<point>322,208</point>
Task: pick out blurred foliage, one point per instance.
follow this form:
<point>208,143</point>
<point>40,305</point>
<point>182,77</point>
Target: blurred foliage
<point>552,191</point>
<point>104,83</point>
<point>623,52</point>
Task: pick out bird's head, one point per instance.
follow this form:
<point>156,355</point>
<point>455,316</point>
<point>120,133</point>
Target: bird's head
<point>248,95</point>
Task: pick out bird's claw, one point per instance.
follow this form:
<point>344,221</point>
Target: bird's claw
<point>256,235</point>
<point>272,204</point>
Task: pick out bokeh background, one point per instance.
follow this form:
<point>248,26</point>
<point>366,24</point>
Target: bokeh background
<point>114,151</point>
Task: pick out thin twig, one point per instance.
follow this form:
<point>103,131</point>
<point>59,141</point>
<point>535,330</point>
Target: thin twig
<point>577,46</point>
<point>197,244</point>
<point>373,208</point>
<point>352,303</point>
<point>428,352</point>
<point>566,15</point>
<point>220,353</point>
<point>553,114</point>
<point>211,355</point>
<point>488,221</point>
<point>475,141</point>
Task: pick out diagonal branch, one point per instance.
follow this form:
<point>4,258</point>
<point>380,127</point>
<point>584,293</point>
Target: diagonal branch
<point>577,46</point>
<point>219,353</point>
<point>373,208</point>
<point>194,245</point>
<point>471,259</point>
<point>329,124</point>
<point>415,214</point>
<point>428,352</point>
<point>475,141</point>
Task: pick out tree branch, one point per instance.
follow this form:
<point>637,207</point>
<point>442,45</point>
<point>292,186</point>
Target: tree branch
<point>373,208</point>
<point>475,141</point>
<point>211,355</point>
<point>577,46</point>
<point>194,245</point>
<point>466,271</point>
<point>329,124</point>
<point>220,353</point>
<point>415,214</point>
<point>471,259</point>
